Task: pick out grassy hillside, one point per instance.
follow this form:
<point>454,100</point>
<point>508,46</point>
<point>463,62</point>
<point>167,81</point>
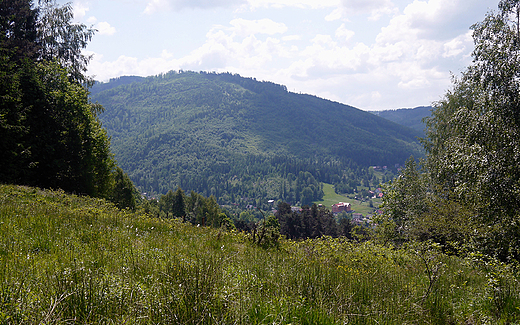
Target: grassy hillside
<point>212,132</point>
<point>74,260</point>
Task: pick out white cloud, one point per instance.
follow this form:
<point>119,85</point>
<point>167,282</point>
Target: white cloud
<point>375,8</point>
<point>458,45</point>
<point>289,38</point>
<point>165,5</point>
<point>157,6</point>
<point>103,28</point>
<point>443,19</point>
<point>405,60</point>
<point>80,10</point>
<point>343,34</point>
<point>245,27</point>
<point>375,95</point>
<point>336,14</point>
<point>312,4</point>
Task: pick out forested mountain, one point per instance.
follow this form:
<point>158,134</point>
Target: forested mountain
<point>409,117</point>
<point>240,139</point>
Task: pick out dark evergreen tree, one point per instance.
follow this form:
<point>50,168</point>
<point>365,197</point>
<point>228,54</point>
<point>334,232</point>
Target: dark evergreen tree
<point>166,203</point>
<point>179,204</point>
<point>123,192</point>
<point>18,31</point>
<point>50,134</point>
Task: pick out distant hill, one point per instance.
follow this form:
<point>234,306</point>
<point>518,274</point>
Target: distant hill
<point>409,117</point>
<point>113,83</point>
<point>239,138</point>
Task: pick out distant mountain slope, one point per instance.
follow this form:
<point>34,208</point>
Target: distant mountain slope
<point>409,117</point>
<point>113,83</point>
<point>204,131</point>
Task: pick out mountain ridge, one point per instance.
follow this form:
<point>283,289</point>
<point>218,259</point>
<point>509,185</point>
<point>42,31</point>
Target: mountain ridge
<point>181,126</point>
<point>409,117</point>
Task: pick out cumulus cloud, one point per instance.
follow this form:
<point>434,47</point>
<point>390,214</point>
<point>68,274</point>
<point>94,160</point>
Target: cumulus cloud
<point>458,45</point>
<point>443,19</point>
<point>227,48</point>
<point>343,34</point>
<point>80,9</point>
<point>312,4</point>
<point>103,28</point>
<point>162,5</point>
<point>157,6</point>
<point>335,15</point>
<point>245,27</point>
<point>374,8</point>
<point>292,38</point>
<point>406,60</point>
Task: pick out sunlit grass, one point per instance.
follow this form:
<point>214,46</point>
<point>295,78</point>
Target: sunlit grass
<point>74,260</point>
<point>330,197</point>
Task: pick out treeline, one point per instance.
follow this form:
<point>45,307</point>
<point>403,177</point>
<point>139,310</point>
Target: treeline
<point>465,193</point>
<point>50,133</point>
<point>311,222</point>
<point>298,223</point>
<point>348,183</point>
<point>254,180</point>
<point>194,208</point>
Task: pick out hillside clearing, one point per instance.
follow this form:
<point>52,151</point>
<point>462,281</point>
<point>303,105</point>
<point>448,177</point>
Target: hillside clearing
<point>66,259</point>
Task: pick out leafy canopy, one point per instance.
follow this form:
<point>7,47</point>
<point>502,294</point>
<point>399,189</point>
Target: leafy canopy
<point>50,134</point>
<point>473,146</point>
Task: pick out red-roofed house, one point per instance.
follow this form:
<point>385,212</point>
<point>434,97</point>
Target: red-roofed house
<point>340,207</point>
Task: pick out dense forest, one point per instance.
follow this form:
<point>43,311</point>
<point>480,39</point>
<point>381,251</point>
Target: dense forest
<point>409,117</point>
<point>242,140</point>
<point>50,133</point>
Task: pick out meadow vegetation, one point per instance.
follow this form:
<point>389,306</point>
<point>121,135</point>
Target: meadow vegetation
<point>66,259</point>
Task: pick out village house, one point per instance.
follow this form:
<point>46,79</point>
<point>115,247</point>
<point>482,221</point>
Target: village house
<point>341,207</point>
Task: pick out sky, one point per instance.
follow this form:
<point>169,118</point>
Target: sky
<point>370,54</point>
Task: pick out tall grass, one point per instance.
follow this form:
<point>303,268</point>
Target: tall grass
<point>66,259</point>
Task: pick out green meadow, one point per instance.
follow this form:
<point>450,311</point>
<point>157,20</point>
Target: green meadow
<point>330,197</point>
<point>66,259</point>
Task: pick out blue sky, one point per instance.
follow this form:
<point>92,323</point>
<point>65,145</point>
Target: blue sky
<point>371,54</point>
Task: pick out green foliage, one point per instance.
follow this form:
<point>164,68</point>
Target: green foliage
<point>473,140</point>
<point>266,232</point>
<point>56,140</point>
<point>50,134</point>
<point>405,202</point>
<point>239,139</point>
<point>179,204</point>
<point>18,31</point>
<point>59,38</point>
<point>412,118</point>
<point>308,222</point>
<point>123,193</point>
<point>469,193</point>
<point>65,258</point>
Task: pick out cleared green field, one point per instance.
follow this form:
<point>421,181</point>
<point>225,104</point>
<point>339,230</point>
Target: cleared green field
<point>331,198</point>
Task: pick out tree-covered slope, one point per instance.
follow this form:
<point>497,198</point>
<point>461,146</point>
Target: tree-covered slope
<point>409,117</point>
<point>199,130</point>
